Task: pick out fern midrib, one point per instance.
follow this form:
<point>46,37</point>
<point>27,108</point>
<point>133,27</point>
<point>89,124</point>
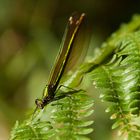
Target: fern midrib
<point>111,83</point>
<point>115,95</point>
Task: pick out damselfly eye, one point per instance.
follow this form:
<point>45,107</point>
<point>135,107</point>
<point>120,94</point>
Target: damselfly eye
<point>39,103</point>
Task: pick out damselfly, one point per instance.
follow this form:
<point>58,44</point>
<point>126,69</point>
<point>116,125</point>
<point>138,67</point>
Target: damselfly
<point>73,50</point>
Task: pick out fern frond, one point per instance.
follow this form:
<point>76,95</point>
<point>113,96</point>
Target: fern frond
<point>66,120</point>
<point>131,73</point>
<point>119,80</point>
<point>72,116</point>
<point>28,130</point>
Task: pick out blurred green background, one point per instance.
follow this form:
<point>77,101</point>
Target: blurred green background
<point>30,36</point>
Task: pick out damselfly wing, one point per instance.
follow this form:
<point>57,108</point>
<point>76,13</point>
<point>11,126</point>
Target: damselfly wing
<point>73,49</point>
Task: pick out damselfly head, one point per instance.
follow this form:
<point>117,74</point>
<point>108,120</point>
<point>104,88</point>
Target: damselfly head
<point>39,103</point>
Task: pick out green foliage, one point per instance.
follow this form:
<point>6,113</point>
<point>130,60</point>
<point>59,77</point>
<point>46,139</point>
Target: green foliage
<point>116,72</point>
<point>63,119</point>
<point>119,80</point>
